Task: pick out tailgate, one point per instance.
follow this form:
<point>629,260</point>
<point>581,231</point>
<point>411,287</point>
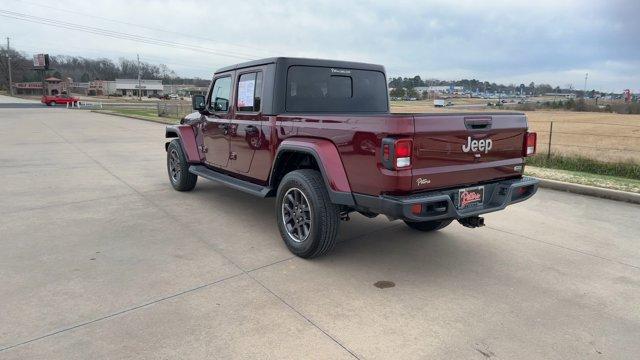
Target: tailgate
<point>453,150</point>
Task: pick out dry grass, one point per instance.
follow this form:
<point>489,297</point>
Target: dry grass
<point>601,136</point>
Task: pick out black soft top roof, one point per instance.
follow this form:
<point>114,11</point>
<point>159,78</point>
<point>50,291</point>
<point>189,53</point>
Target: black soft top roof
<point>289,61</point>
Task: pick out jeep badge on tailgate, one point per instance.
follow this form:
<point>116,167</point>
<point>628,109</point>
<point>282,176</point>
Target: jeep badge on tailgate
<point>477,145</point>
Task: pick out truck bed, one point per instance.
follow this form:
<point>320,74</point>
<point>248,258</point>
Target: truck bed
<point>438,158</point>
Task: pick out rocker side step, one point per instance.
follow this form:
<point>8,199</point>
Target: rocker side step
<point>248,187</point>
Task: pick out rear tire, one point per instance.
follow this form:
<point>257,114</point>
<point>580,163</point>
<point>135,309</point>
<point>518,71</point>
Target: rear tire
<point>178,168</point>
<point>428,225</point>
<point>307,219</point>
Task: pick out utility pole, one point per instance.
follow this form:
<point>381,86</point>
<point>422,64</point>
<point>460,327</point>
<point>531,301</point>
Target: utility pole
<point>9,66</point>
<point>139,80</point>
<point>586,76</point>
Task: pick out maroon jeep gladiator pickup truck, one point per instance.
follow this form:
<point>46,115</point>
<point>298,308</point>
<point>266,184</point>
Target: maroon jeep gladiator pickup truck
<point>318,135</point>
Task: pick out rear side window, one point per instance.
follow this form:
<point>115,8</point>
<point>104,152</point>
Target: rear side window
<point>249,92</point>
<point>321,89</point>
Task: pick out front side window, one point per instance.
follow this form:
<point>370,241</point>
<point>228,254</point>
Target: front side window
<point>220,94</point>
<point>249,91</point>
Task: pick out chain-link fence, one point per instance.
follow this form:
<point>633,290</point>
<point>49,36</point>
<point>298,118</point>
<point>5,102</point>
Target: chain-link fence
<point>167,109</point>
<point>173,109</point>
<point>597,140</point>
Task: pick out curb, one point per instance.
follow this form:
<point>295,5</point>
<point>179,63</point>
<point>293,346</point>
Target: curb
<point>107,112</point>
<point>591,191</point>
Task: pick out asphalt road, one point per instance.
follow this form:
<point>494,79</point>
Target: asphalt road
<point>100,258</point>
<point>18,103</point>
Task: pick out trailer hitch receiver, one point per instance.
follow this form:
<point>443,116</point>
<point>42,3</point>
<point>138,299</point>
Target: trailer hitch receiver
<point>472,221</point>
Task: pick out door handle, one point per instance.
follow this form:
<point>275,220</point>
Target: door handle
<point>477,123</point>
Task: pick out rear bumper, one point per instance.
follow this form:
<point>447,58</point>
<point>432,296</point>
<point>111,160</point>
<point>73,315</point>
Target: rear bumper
<point>441,204</point>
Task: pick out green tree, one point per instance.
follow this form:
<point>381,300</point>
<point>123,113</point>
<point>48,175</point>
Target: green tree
<point>416,81</point>
<point>85,78</point>
<point>395,83</point>
<point>570,104</point>
<point>397,92</point>
<point>412,93</point>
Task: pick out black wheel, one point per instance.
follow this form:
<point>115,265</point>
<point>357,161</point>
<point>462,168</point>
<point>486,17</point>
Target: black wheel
<point>49,104</point>
<point>428,225</point>
<point>307,220</point>
<point>178,168</point>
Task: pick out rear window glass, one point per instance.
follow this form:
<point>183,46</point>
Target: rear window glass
<point>321,89</point>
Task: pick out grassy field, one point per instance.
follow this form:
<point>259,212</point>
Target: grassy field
<point>143,114</point>
<point>601,136</point>
<point>623,169</point>
<point>138,112</point>
<point>585,178</point>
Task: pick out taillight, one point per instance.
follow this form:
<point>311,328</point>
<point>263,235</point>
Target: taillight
<point>403,153</point>
<point>529,144</point>
<point>396,153</point>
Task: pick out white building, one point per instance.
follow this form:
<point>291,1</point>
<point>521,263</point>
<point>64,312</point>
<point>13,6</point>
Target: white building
<point>562,95</point>
<point>440,89</point>
<point>92,88</point>
<point>129,87</point>
<point>185,89</point>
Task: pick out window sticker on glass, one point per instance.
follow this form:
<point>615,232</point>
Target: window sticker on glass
<point>246,89</point>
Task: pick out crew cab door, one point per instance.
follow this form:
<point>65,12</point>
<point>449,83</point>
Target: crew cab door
<point>215,128</point>
<point>245,130</point>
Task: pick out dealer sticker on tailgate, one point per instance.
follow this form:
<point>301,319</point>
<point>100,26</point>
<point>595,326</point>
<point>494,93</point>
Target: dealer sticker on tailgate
<point>470,197</point>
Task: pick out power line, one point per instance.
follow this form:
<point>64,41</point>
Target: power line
<point>116,34</point>
<point>162,60</point>
<point>136,25</point>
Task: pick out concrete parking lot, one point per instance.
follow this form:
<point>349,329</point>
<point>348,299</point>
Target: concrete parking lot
<point>100,258</point>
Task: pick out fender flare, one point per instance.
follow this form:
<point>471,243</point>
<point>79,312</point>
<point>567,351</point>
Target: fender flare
<point>187,141</point>
<point>328,159</point>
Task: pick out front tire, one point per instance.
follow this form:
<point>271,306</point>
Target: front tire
<point>433,225</point>
<point>307,219</point>
<point>178,168</point>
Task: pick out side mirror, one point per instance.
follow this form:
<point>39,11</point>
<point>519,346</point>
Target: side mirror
<point>221,104</point>
<point>198,102</point>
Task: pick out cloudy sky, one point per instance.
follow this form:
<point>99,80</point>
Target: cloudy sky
<point>554,42</point>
